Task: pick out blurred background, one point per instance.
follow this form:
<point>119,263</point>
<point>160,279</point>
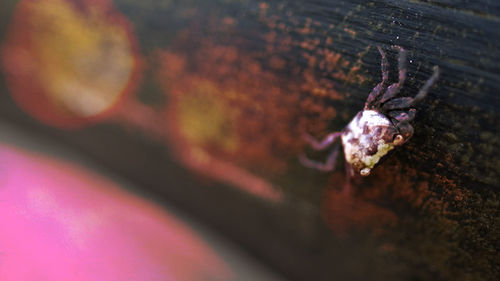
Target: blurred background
<point>67,218</point>
<point>158,140</point>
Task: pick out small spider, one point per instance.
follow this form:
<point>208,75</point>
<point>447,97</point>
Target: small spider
<point>383,124</point>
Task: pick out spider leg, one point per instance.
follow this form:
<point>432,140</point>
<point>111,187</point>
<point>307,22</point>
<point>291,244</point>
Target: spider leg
<point>349,175</point>
<point>406,102</point>
<point>328,166</point>
<point>394,89</point>
<point>425,89</point>
<point>320,145</point>
<point>405,129</point>
<point>399,103</point>
<point>375,93</point>
<point>400,116</point>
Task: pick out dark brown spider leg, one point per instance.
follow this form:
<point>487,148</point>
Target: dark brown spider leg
<point>349,176</point>
<point>320,145</point>
<point>406,130</point>
<point>406,102</point>
<point>425,89</point>
<point>399,103</point>
<point>400,116</point>
<point>328,166</point>
<point>394,89</point>
<point>375,93</point>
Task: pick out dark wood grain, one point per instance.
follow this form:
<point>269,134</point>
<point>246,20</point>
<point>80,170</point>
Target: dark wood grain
<point>439,192</point>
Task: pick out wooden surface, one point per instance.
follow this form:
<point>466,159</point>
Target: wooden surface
<point>428,212</point>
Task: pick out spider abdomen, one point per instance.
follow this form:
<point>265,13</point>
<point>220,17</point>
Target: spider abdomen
<point>368,138</point>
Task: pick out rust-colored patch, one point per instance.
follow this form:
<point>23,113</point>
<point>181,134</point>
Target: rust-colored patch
<point>408,188</point>
<point>324,66</point>
<point>350,32</point>
<point>374,202</point>
<point>345,212</point>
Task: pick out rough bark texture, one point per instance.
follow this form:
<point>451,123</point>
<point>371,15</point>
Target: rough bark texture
<point>429,212</point>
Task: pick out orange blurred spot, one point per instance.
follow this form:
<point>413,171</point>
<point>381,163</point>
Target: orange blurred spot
<point>350,31</point>
<point>79,57</point>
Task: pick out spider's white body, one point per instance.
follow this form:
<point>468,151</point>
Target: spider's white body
<point>367,138</point>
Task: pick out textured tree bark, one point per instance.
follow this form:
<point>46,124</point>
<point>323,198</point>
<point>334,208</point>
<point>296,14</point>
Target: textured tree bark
<point>259,74</point>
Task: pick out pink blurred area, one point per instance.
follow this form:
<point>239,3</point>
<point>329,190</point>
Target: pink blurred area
<point>62,222</point>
